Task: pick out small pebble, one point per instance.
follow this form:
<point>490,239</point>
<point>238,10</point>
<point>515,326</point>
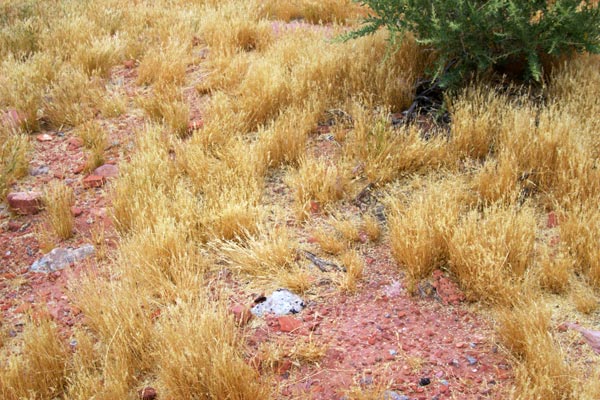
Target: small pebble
<point>424,381</point>
<point>471,360</point>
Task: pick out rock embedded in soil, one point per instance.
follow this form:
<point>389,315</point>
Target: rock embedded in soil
<point>147,393</point>
<point>241,314</point>
<point>25,203</point>
<point>93,181</point>
<point>280,302</point>
<point>288,324</point>
<point>60,258</point>
<point>107,171</point>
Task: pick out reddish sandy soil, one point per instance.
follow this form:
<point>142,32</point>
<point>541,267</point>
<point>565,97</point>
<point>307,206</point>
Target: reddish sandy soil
<point>379,336</point>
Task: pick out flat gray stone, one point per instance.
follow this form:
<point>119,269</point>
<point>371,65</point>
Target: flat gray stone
<point>60,258</point>
<point>280,302</point>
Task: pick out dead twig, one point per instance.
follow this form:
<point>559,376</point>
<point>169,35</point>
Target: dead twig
<point>323,265</point>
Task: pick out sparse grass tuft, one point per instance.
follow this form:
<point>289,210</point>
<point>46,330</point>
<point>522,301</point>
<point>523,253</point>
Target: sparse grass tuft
<point>490,252</point>
<point>352,261</point>
<point>58,200</point>
<point>15,151</point>
<point>584,297</point>
<point>167,105</point>
<point>421,227</point>
<point>316,181</point>
<point>540,369</point>
<point>40,368</point>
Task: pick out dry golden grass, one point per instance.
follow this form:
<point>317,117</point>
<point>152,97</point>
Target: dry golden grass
<point>58,200</point>
<point>312,11</point>
<point>490,252</point>
<point>421,227</point>
<point>40,368</point>
<point>329,241</point>
<point>210,362</point>
<point>465,201</point>
<point>166,105</point>
<point>15,151</point>
<point>540,369</point>
<point>584,297</point>
<point>352,261</point>
<point>316,180</point>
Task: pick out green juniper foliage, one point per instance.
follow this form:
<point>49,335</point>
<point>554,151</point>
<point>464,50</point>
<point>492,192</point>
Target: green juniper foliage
<point>471,36</point>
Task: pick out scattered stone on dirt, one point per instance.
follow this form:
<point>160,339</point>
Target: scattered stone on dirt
<point>44,137</point>
<point>147,393</point>
<point>93,181</point>
<point>74,143</point>
<point>41,170</point>
<point>76,211</point>
<point>107,171</point>
<point>281,302</point>
<point>288,324</point>
<point>25,203</point>
<point>391,395</point>
<point>241,314</point>
<point>60,258</point>
<point>424,381</point>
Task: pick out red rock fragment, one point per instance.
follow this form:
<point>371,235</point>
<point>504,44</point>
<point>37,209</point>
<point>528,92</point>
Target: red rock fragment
<point>13,226</point>
<point>76,211</point>
<point>107,171</point>
<point>147,393</point>
<point>44,137</point>
<point>288,324</point>
<point>552,220</point>
<point>241,314</point>
<point>25,203</point>
<point>74,143</point>
<point>129,64</point>
<point>93,181</point>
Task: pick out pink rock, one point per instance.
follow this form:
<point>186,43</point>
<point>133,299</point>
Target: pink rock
<point>76,211</point>
<point>107,171</point>
<point>288,324</point>
<point>147,393</point>
<point>591,337</point>
<point>44,137</point>
<point>129,64</point>
<point>552,220</point>
<point>241,314</point>
<point>93,181</point>
<point>25,203</point>
<point>74,143</point>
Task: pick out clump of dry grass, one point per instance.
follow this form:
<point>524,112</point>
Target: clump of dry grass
<point>421,227</point>
<point>210,361</point>
<point>316,181</point>
<point>316,12</point>
<point>372,227</point>
<point>40,367</point>
<point>167,105</point>
<point>164,64</point>
<point>98,55</point>
<point>580,231</point>
<point>540,369</point>
<point>490,251</point>
<point>113,104</point>
<point>352,261</point>
<point>264,254</point>
<point>330,242</point>
<point>555,269</point>
<point>71,98</point>
<point>584,297</point>
<point>58,200</point>
<point>15,151</point>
